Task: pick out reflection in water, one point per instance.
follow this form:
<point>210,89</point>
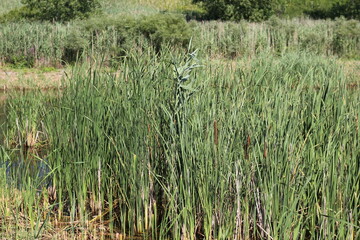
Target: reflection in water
<point>2,117</point>
<point>20,171</point>
<point>21,165</point>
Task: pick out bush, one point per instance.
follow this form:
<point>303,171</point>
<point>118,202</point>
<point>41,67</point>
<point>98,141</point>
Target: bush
<point>253,10</point>
<point>74,45</point>
<point>344,35</point>
<point>59,10</point>
<point>15,15</point>
<point>281,34</point>
<point>158,29</point>
<point>123,30</point>
<point>350,10</point>
<point>20,61</point>
<point>165,28</point>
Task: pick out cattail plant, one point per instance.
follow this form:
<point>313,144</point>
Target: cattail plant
<point>160,148</point>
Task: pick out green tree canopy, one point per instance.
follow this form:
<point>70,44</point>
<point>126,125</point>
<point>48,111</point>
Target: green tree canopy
<point>349,9</point>
<point>253,10</point>
<point>59,10</point>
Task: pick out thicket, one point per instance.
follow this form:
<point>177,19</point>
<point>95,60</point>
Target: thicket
<point>217,9</point>
<point>253,10</point>
<point>52,10</point>
<point>259,10</point>
<point>349,9</point>
<point>36,44</point>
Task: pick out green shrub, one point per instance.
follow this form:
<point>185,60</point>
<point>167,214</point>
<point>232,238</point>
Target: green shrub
<point>349,9</point>
<point>60,10</point>
<point>75,43</point>
<point>15,15</point>
<point>20,61</point>
<point>253,10</point>
<point>124,26</point>
<point>157,29</point>
<point>165,28</point>
<point>344,32</point>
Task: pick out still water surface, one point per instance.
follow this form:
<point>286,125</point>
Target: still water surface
<point>18,164</point>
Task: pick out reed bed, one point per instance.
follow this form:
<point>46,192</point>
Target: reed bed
<point>321,37</point>
<point>32,44</point>
<point>8,5</point>
<point>40,44</point>
<point>169,147</point>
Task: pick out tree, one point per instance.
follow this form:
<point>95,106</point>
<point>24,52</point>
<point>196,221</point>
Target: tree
<point>59,10</point>
<point>253,10</point>
<point>349,9</point>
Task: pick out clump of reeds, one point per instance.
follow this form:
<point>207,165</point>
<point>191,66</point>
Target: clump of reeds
<point>28,44</point>
<point>269,150</point>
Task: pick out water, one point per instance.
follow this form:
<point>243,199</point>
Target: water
<point>22,172</point>
<point>2,116</point>
<point>21,166</point>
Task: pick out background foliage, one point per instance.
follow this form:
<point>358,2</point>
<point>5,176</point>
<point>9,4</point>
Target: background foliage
<point>349,9</point>
<point>52,10</point>
<point>254,10</point>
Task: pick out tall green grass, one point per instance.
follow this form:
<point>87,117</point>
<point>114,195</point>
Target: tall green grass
<point>38,44</point>
<point>321,37</point>
<point>8,5</point>
<point>170,147</point>
<point>32,44</point>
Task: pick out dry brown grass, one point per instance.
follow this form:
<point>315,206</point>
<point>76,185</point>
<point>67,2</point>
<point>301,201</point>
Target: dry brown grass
<point>352,70</point>
<point>15,225</point>
<point>19,80</point>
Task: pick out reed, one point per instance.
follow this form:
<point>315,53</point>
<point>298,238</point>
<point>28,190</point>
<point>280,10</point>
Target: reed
<point>165,149</point>
<point>8,5</point>
<point>45,44</point>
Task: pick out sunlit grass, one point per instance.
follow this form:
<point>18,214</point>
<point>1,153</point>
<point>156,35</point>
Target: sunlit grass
<point>7,5</point>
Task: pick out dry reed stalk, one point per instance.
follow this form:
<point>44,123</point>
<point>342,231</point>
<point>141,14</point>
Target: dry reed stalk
<point>265,150</point>
<point>216,133</point>
<point>357,123</point>
<point>247,146</point>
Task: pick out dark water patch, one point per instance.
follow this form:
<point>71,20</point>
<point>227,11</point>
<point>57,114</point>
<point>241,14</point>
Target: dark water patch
<point>23,165</point>
<point>20,172</point>
<point>2,116</point>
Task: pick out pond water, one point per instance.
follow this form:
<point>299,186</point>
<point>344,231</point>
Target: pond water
<point>2,115</point>
<point>20,164</point>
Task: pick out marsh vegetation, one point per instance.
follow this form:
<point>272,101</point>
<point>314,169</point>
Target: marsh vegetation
<point>182,130</point>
